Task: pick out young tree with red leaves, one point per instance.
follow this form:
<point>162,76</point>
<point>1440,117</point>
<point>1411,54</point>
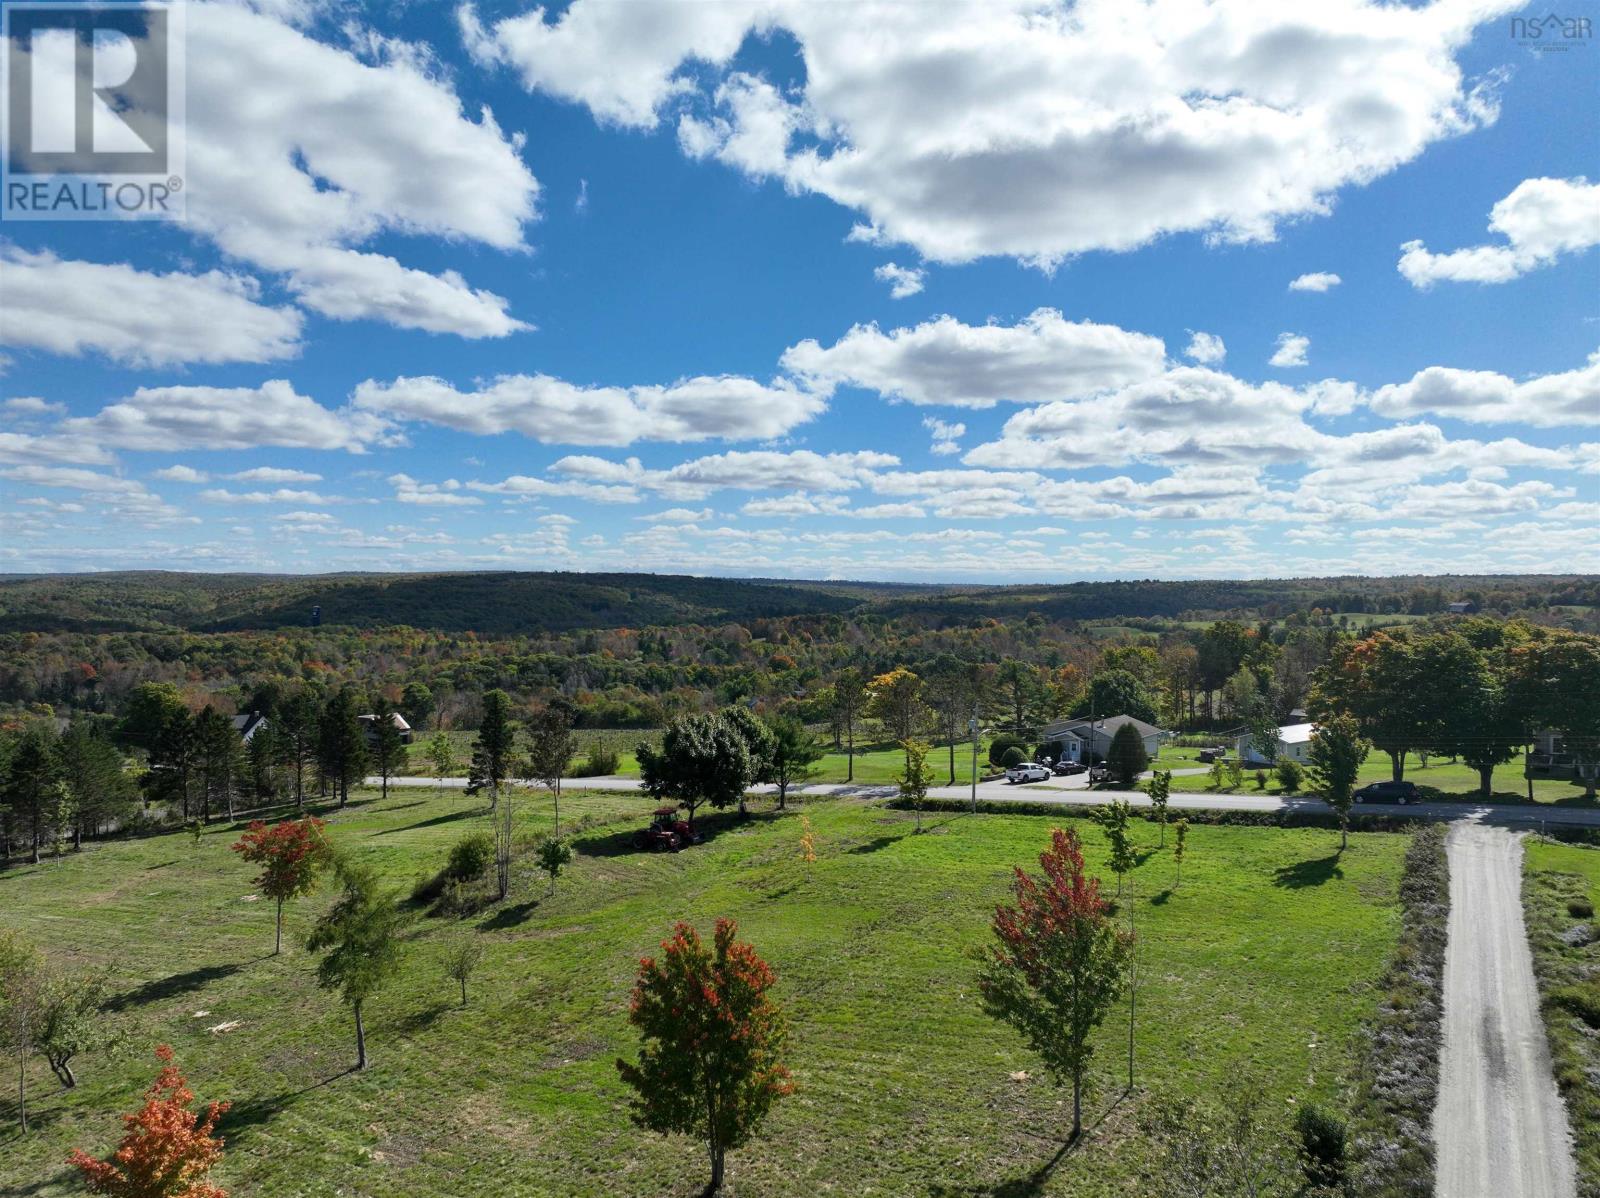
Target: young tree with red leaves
<point>168,1150</point>
<point>291,855</point>
<point>710,1065</point>
<point>1059,966</point>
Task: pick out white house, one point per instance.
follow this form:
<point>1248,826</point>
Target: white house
<point>369,725</point>
<point>1079,738</point>
<point>248,725</point>
<point>1294,744</point>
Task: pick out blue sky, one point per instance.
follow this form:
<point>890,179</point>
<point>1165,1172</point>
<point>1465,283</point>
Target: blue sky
<point>608,287</point>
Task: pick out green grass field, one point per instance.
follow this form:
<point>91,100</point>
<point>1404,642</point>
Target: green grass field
<point>1256,974</point>
<point>1452,781</point>
<point>874,763</point>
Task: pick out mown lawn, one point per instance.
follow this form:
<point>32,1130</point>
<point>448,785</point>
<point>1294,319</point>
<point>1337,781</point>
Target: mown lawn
<point>1451,781</point>
<point>1255,975</point>
<point>874,763</point>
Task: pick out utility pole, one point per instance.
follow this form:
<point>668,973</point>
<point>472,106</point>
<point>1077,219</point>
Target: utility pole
<point>1133,981</point>
<point>972,726</point>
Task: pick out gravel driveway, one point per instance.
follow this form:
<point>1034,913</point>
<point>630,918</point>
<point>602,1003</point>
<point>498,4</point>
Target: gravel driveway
<point>1500,1127</point>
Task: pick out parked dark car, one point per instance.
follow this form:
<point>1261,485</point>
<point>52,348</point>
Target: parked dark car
<point>1064,769</point>
<point>1389,792</point>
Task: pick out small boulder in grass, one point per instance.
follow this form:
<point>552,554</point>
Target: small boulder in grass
<point>1578,935</point>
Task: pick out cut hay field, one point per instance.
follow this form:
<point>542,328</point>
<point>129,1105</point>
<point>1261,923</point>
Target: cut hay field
<point>1256,974</point>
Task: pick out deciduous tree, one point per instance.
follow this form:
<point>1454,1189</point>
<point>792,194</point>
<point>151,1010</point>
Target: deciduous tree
<point>168,1150</point>
<point>849,703</point>
<point>72,1020</point>
<point>1059,966</point>
<point>551,747</point>
<point>1337,753</point>
<point>1559,676</point>
<point>461,961</point>
<point>758,743</point>
<point>22,981</point>
<point>554,856</point>
<point>712,1060</point>
<point>441,755</point>
<point>1160,790</point>
<point>1113,818</point>
<point>895,701</point>
<point>1118,692</point>
<point>292,855</point>
<point>916,776</point>
<point>1180,835</point>
<point>700,760</point>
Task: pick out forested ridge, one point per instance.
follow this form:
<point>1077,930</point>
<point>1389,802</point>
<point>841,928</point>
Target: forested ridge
<point>509,604</point>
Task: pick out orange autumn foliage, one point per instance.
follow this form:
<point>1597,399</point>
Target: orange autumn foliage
<point>168,1149</point>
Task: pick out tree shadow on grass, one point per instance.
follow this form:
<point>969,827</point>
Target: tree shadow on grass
<point>876,843</point>
<point>620,843</point>
<point>448,818</point>
<point>421,1021</point>
<point>1029,1185</point>
<point>1308,873</point>
<point>254,1112</point>
<point>1161,899</point>
<point>171,986</point>
<point>510,917</point>
<point>63,1180</point>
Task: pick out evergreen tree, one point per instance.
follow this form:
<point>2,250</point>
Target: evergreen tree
<point>297,741</point>
<point>341,745</point>
<point>1127,756</point>
<point>102,792</point>
<point>360,936</point>
<point>33,788</point>
<point>220,758</point>
<point>388,747</point>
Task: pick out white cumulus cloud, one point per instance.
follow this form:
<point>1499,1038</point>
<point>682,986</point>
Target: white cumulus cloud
<point>1007,127</point>
<point>1541,220</point>
<point>943,361</point>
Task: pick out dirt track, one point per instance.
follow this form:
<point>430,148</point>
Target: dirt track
<point>1500,1127</point>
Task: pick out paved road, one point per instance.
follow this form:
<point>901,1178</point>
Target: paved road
<point>1075,791</point>
<point>1499,1125</point>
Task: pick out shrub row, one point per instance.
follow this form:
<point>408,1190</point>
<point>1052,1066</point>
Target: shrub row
<point>1197,815</point>
<point>1397,1083</point>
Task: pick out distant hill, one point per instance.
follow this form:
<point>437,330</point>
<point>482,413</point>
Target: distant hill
<point>499,604</point>
<point>493,604</point>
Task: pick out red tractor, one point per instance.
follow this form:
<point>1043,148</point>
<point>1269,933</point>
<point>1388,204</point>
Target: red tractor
<point>666,833</point>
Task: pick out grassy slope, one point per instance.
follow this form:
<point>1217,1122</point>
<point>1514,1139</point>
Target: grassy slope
<point>1256,972</point>
<point>1553,875</point>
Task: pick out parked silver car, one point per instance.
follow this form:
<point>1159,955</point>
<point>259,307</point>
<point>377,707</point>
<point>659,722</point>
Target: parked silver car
<point>1028,771</point>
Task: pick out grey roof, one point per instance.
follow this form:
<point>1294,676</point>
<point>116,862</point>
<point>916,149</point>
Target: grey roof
<point>1104,726</point>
